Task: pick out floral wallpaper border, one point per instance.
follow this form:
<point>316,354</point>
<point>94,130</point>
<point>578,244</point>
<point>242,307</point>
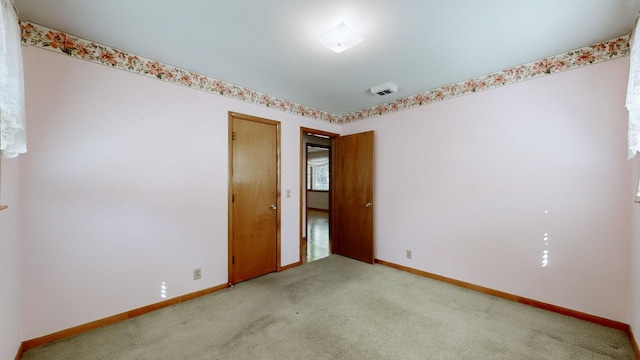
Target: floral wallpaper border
<point>57,41</point>
<point>606,50</point>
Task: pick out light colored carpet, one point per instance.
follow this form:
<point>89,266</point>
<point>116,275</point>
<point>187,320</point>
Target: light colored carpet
<point>337,308</point>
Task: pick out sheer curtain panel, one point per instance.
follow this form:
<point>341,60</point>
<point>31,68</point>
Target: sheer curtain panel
<point>633,94</point>
<point>317,159</point>
<point>13,130</point>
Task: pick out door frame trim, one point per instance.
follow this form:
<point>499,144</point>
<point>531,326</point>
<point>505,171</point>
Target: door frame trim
<point>231,116</point>
<point>303,180</point>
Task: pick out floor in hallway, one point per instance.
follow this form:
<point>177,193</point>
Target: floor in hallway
<point>317,235</point>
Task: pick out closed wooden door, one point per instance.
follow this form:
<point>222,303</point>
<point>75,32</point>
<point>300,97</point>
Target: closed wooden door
<point>254,225</point>
<point>352,212</point>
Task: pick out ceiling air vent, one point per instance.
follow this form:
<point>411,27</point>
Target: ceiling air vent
<point>384,89</point>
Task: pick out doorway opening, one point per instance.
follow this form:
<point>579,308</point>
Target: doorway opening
<point>315,224</point>
<point>318,170</point>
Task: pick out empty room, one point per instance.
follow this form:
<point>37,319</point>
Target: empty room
<point>328,179</point>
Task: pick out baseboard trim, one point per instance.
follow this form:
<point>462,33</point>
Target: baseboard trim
<point>63,334</point>
<point>20,351</point>
<point>535,303</point>
<point>290,266</point>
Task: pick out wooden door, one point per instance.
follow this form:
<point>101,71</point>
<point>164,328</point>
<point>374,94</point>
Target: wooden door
<point>254,199</point>
<point>352,210</point>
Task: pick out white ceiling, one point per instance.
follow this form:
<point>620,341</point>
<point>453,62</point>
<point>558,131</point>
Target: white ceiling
<point>272,47</point>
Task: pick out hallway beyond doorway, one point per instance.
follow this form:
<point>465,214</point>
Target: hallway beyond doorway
<point>317,235</point>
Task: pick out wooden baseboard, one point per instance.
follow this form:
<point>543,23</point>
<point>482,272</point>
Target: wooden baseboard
<point>535,303</point>
<point>20,351</point>
<point>634,343</point>
<point>290,266</point>
<point>63,334</point>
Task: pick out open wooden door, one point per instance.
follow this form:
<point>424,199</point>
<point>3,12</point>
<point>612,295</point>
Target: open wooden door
<point>254,197</point>
<point>352,196</point>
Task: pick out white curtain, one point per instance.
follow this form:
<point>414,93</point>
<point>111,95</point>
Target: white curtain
<point>633,93</point>
<point>317,159</point>
<point>13,129</point>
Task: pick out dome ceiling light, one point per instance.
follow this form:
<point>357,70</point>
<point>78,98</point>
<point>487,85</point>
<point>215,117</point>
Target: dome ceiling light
<point>340,38</point>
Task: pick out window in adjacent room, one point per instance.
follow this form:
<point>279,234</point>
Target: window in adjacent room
<point>317,168</point>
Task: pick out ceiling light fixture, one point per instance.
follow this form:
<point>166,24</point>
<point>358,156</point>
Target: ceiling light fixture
<point>340,38</point>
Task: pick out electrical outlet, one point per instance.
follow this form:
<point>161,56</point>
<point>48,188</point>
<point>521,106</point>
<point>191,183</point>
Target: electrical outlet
<point>196,274</point>
<point>408,254</point>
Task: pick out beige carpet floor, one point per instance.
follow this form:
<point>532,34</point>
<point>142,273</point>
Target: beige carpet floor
<point>337,308</point>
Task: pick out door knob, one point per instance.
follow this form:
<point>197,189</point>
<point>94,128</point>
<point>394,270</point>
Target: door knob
<point>368,205</point>
<point>273,207</point>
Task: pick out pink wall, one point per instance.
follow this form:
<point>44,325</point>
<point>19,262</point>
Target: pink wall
<point>481,179</point>
<point>10,260</point>
<point>635,253</point>
<point>126,188</point>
